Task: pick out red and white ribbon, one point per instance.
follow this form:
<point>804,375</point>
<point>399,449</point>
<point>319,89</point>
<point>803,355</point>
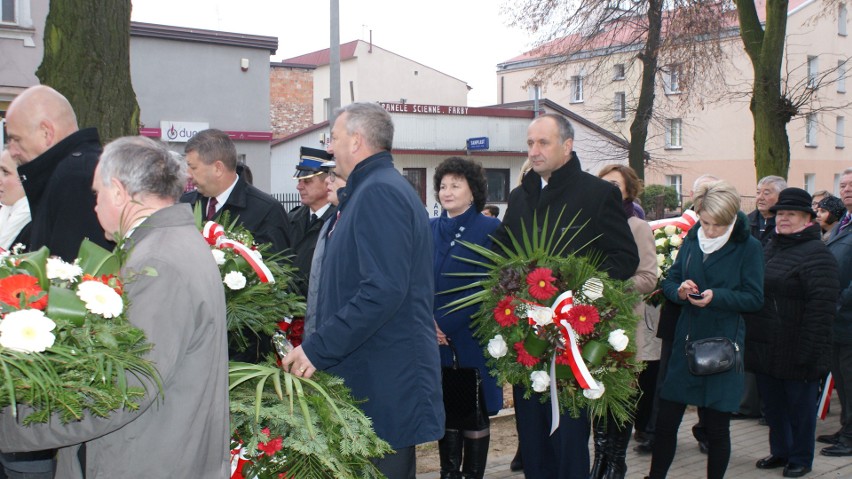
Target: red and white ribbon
<point>214,234</point>
<point>685,222</point>
<point>825,397</point>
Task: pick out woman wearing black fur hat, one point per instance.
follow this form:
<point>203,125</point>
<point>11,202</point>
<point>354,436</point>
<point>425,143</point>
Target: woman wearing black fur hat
<point>788,341</point>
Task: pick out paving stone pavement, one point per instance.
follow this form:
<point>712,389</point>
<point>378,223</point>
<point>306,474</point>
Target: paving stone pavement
<point>749,442</point>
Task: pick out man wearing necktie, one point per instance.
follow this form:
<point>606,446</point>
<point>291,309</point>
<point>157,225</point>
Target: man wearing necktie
<point>306,220</point>
<point>211,158</point>
<point>840,245</point>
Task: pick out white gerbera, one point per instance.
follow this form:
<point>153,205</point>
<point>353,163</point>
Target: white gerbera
<point>100,299</point>
<point>58,269</point>
<point>28,331</point>
<point>235,280</point>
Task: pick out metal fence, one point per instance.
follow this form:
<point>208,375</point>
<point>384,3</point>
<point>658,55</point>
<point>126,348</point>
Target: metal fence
<point>288,200</point>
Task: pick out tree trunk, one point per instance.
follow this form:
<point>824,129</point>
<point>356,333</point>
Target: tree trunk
<point>645,105</point>
<point>770,109</point>
<point>87,59</point>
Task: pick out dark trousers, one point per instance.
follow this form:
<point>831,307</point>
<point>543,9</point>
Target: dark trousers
<point>28,465</point>
<point>841,370</point>
<point>401,464</point>
<point>717,426</point>
<point>790,411</point>
<point>648,386</point>
<point>563,455</point>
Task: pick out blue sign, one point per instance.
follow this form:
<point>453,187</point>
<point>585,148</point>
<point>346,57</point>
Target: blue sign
<point>477,143</point>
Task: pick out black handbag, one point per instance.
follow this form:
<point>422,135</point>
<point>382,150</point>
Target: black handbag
<point>463,396</point>
<point>712,355</point>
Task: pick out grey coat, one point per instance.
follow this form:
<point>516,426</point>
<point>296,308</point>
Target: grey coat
<point>182,311</point>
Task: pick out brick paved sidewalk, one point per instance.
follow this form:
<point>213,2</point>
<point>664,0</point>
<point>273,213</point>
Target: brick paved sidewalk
<point>749,442</point>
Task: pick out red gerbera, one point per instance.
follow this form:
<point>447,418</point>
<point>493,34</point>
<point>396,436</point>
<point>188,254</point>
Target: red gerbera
<point>564,358</point>
<point>541,283</point>
<point>24,287</point>
<point>524,357</point>
<point>583,318</point>
<point>504,313</point>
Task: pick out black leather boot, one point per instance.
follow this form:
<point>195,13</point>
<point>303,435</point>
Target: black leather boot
<point>475,457</point>
<point>600,442</point>
<point>616,464</point>
<point>450,452</point>
<point>517,461</point>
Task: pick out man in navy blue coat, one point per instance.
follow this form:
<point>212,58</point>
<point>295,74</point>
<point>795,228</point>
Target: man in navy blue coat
<point>374,325</point>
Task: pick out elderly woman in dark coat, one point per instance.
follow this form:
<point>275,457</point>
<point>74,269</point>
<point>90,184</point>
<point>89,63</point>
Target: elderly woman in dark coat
<point>789,340</point>
<point>721,266</point>
<point>461,189</point>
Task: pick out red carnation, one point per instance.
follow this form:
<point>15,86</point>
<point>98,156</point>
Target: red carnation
<point>524,357</point>
<point>24,287</point>
<point>541,283</point>
<point>583,318</point>
<point>271,447</point>
<point>504,313</point>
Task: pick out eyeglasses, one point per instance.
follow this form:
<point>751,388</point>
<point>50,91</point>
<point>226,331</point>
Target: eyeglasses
<point>331,176</point>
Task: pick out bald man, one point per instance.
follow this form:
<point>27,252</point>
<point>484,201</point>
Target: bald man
<point>56,162</point>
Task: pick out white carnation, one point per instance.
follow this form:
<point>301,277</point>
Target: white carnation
<point>540,381</point>
<point>497,347</point>
<point>58,269</point>
<point>618,340</point>
<point>218,255</point>
<point>235,280</point>
<point>595,393</point>
<point>27,331</point>
<point>100,299</point>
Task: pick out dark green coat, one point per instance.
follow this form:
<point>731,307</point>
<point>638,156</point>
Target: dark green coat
<point>735,274</point>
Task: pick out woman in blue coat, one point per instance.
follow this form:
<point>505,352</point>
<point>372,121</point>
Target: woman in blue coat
<point>717,276</point>
<point>461,189</point>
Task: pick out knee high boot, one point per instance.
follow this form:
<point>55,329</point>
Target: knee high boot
<point>450,452</point>
<point>600,441</point>
<point>616,464</point>
<point>475,457</point>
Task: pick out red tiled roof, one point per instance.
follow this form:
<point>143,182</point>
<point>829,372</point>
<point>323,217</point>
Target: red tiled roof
<point>323,57</point>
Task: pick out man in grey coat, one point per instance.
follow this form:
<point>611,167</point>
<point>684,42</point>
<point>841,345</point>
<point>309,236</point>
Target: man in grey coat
<point>181,309</point>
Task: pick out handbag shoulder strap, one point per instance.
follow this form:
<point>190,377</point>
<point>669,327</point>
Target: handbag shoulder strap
<point>455,354</point>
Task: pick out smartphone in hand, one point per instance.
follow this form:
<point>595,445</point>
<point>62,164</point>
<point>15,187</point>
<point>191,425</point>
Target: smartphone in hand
<point>696,296</point>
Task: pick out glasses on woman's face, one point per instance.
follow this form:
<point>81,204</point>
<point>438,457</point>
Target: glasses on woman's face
<point>331,176</point>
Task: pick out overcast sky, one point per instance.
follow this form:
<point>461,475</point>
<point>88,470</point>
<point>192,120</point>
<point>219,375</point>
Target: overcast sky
<point>462,38</point>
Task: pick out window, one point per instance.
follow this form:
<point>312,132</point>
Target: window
<point>813,70</point>
<point>618,71</point>
<point>674,133</point>
<point>810,181</point>
<point>837,184</point>
<point>8,12</point>
<point>326,108</point>
<point>576,89</point>
<point>498,185</point>
<point>840,132</point>
<point>841,20</point>
<point>675,181</point>
<point>811,129</point>
<point>841,76</point>
<point>16,22</point>
<point>671,79</point>
<point>620,106</point>
<point>534,91</point>
<point>417,178</point>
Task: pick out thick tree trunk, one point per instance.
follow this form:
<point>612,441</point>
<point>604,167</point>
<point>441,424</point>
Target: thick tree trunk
<point>87,59</point>
<point>770,110</point>
<point>645,105</point>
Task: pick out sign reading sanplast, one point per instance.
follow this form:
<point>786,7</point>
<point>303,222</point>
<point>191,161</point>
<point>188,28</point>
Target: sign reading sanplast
<point>480,143</point>
<point>180,131</point>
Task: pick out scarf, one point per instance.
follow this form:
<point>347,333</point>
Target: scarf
<point>711,245</point>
